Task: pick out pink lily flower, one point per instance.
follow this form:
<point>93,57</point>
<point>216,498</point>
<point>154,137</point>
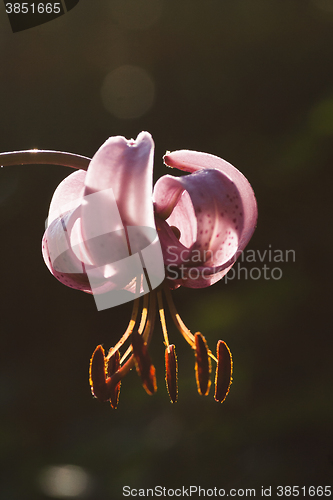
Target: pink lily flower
<point>106,216</point>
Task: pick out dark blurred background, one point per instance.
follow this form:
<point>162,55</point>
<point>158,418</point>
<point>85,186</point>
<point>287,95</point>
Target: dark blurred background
<point>252,82</point>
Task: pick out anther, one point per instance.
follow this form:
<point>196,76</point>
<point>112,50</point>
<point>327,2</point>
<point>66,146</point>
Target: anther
<point>223,376</point>
<point>143,363</point>
<point>97,375</point>
<point>202,364</point>
<point>113,366</point>
<point>171,372</point>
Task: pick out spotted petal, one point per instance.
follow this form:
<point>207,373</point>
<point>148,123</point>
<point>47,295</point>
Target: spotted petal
<point>215,211</point>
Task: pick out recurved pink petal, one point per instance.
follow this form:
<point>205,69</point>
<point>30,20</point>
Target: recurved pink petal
<point>179,269</point>
<point>192,161</point>
<point>214,210</point>
<point>212,206</point>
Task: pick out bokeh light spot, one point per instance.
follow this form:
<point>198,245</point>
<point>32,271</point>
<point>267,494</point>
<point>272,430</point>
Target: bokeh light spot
<point>65,481</point>
<point>128,92</point>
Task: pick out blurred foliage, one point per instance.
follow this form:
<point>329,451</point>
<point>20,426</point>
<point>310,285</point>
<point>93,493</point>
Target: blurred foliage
<point>251,82</point>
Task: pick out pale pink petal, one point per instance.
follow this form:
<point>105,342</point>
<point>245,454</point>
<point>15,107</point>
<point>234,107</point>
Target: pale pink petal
<point>183,218</point>
<point>101,219</point>
<point>180,270</point>
<point>118,194</point>
<point>215,211</point>
<point>174,252</point>
<point>191,161</point>
<point>68,195</point>
<point>213,206</point>
<point>61,257</point>
<point>125,166</point>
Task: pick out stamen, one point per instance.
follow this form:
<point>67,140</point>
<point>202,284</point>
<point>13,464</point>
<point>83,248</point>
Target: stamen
<point>188,336</point>
<point>144,313</point>
<point>97,375</point>
<point>146,335</point>
<point>202,365</point>
<point>171,366</point>
<point>144,366</point>
<point>149,328</point>
<point>223,376</point>
<point>129,329</point>
<point>171,373</point>
<point>141,326</point>
<point>113,366</point>
<point>162,318</point>
<point>103,387</point>
<point>140,343</point>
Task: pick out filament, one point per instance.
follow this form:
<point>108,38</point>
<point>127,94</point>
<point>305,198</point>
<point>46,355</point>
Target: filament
<point>186,333</point>
<point>144,313</point>
<point>162,318</point>
<point>129,329</point>
<point>188,336</point>
<point>147,334</point>
<point>149,328</point>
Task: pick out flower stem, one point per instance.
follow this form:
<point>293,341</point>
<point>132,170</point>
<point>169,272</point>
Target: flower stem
<point>44,157</point>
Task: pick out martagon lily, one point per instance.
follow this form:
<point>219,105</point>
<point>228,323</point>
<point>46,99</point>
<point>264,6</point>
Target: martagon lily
<point>107,213</point>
